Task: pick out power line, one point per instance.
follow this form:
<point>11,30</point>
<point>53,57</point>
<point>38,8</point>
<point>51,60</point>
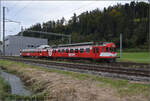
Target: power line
<point>49,33</point>
<point>83,6</point>
<point>8,20</point>
<point>21,9</point>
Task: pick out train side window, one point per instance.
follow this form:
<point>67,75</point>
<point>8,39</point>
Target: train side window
<point>58,51</point>
<point>87,50</point>
<point>93,50</point>
<point>76,50</point>
<point>71,50</point>
<point>67,50</point>
<point>97,50</point>
<point>103,49</point>
<point>63,50</point>
<point>81,50</point>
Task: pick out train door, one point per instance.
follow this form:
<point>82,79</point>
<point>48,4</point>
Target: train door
<point>96,52</point>
<point>49,52</point>
<point>53,53</point>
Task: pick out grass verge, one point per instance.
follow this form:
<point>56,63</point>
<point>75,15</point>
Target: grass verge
<point>139,57</point>
<point>124,87</point>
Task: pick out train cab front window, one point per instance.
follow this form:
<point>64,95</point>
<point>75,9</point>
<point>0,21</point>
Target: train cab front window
<point>107,50</point>
<point>112,49</point>
<point>103,49</point>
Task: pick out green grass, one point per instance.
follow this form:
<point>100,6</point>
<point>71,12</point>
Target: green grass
<point>139,57</point>
<point>4,88</point>
<point>123,87</point>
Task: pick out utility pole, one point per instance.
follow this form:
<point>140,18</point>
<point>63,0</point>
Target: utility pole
<point>149,31</point>
<point>3,31</point>
<point>120,45</point>
<point>0,20</point>
<point>70,39</point>
<point>21,30</point>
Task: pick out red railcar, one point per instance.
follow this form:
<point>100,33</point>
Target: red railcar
<point>88,50</point>
<point>41,51</point>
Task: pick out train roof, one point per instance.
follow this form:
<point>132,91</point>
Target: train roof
<point>38,48</point>
<point>43,46</point>
<point>82,44</point>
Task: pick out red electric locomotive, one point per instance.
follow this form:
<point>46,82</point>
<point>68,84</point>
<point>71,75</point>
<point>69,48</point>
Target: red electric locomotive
<point>87,50</point>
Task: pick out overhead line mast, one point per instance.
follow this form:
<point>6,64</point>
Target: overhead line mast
<point>0,20</point>
<point>3,31</point>
<point>5,20</point>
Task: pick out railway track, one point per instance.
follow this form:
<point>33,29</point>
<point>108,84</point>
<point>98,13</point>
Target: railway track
<point>118,64</point>
<point>143,70</point>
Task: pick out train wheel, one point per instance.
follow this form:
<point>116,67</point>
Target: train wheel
<point>114,60</point>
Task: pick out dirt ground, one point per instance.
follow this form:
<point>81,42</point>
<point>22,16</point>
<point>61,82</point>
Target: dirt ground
<point>60,87</point>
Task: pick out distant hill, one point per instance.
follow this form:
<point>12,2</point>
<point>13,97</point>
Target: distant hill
<point>132,20</point>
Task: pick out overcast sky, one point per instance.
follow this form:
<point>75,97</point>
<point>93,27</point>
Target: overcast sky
<point>31,12</point>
